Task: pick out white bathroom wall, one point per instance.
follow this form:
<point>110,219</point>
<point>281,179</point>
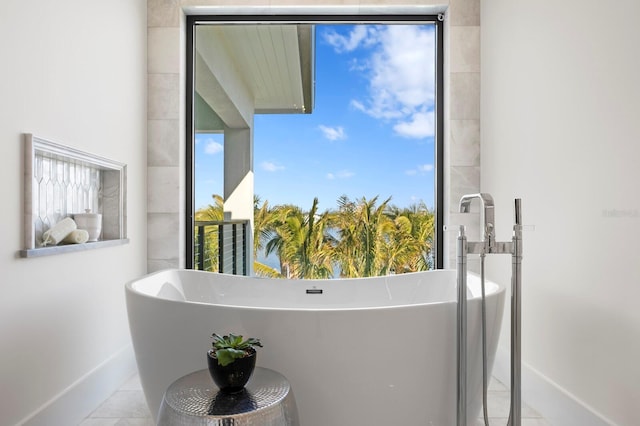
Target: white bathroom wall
<point>560,124</point>
<point>73,72</point>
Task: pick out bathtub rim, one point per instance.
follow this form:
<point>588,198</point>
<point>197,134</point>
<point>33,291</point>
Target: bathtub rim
<point>493,290</point>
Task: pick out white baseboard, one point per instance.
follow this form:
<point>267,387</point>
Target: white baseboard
<point>77,401</point>
<point>555,404</point>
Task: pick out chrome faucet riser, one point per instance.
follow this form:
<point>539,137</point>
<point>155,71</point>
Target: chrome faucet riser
<point>488,245</point>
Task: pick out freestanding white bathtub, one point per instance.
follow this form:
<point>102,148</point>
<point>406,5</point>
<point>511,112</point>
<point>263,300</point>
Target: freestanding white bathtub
<point>368,351</point>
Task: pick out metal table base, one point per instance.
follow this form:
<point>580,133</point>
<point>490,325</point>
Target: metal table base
<point>194,399</point>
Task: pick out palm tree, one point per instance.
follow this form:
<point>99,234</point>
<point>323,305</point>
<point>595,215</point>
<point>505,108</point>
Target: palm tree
<point>400,247</point>
<point>302,242</point>
<point>264,220</point>
<point>213,211</point>
<point>363,230</point>
<point>209,254</point>
<point>412,237</point>
<point>361,238</point>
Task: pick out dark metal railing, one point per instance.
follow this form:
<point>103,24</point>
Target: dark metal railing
<point>221,246</point>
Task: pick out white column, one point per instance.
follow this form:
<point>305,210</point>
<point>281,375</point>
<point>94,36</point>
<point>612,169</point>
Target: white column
<point>238,180</point>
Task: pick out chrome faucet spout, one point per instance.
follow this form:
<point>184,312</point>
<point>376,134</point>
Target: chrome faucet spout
<point>488,235</point>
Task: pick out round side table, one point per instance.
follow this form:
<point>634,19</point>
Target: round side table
<point>194,399</point>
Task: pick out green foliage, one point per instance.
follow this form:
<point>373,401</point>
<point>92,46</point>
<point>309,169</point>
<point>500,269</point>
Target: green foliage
<point>230,347</point>
<point>302,242</point>
<point>213,212</point>
<point>364,229</point>
<point>360,238</point>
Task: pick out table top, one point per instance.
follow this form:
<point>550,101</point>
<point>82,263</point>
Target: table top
<point>197,395</point>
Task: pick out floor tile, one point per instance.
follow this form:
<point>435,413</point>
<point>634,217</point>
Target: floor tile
<point>127,407</point>
<point>98,422</point>
<point>135,422</point>
<point>498,404</point>
<point>502,421</point>
<point>534,422</point>
<point>132,384</point>
<point>496,385</point>
<point>123,403</point>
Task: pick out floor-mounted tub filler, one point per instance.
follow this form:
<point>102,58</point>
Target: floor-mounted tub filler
<point>488,246</point>
<point>368,351</point>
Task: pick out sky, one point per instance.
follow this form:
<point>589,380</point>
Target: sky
<point>371,132</point>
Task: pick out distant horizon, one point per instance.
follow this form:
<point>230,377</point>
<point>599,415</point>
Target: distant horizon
<point>371,132</point>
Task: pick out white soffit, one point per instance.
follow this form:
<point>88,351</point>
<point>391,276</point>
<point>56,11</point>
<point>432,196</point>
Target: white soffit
<point>267,58</point>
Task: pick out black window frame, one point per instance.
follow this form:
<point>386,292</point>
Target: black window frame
<point>438,20</point>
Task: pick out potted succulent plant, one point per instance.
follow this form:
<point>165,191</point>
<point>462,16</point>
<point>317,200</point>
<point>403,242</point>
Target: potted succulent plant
<point>231,361</point>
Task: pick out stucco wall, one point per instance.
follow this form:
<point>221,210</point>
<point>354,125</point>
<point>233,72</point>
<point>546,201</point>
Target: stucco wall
<point>73,72</point>
<point>560,128</point>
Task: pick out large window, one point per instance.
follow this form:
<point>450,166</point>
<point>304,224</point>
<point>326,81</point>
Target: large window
<point>316,126</point>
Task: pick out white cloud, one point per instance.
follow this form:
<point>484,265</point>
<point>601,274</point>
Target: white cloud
<point>420,125</point>
<point>359,35</point>
<point>357,65</point>
<point>358,105</point>
<point>270,166</point>
<point>333,133</point>
<point>420,169</point>
<point>401,74</point>
<point>343,174</point>
<point>212,147</point>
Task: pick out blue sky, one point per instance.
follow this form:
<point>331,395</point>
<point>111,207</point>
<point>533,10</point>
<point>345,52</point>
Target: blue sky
<point>371,131</point>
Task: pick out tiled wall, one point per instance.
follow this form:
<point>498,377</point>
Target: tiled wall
<point>165,134</point>
<point>463,144</point>
<point>166,106</point>
<point>61,188</point>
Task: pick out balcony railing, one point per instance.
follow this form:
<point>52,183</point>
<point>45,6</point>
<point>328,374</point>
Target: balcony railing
<point>221,246</point>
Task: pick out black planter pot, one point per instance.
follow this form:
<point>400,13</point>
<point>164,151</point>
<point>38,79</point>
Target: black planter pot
<point>232,377</point>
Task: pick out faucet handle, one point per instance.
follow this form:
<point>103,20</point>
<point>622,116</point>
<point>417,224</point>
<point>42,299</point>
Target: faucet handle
<point>460,229</point>
<point>453,227</point>
<point>518,211</point>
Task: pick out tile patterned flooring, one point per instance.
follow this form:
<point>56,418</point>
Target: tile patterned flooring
<point>127,407</point>
<point>498,400</point>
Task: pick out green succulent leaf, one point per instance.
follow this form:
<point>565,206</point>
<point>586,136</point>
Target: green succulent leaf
<point>227,356</point>
<point>253,342</point>
<point>230,347</point>
<point>235,340</point>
